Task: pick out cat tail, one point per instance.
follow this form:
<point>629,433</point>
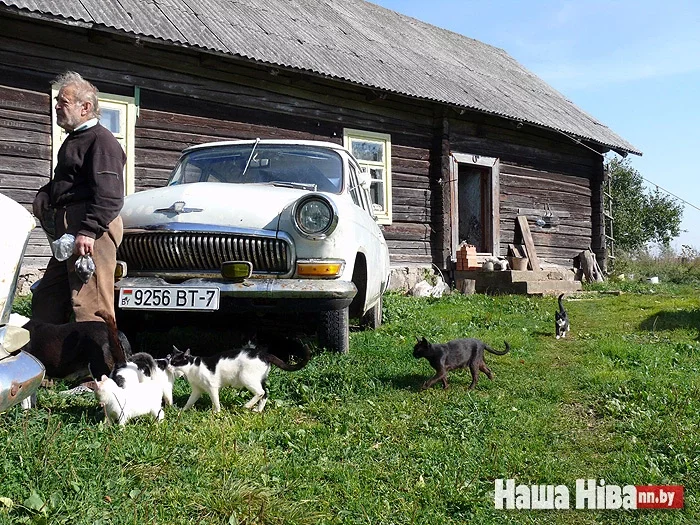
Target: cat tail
<point>304,357</point>
<point>115,345</point>
<point>496,352</point>
<point>561,306</point>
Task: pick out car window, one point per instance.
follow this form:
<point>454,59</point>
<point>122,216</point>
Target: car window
<point>354,186</point>
<point>309,167</point>
<point>360,195</point>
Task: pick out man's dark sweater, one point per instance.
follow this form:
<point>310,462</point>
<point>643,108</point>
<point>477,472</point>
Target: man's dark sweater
<point>90,170</point>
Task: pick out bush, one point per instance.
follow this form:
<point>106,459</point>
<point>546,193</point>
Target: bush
<point>669,267</point>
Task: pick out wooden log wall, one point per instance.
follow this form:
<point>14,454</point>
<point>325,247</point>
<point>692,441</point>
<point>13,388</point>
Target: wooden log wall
<point>539,168</point>
<point>569,200</point>
<point>188,98</point>
<point>25,156</point>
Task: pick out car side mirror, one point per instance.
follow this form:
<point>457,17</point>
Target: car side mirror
<point>365,179</point>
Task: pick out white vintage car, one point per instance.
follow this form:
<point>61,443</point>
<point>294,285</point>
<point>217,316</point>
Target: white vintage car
<point>275,227</point>
<point>20,373</point>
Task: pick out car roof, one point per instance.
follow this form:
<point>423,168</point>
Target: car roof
<point>317,143</point>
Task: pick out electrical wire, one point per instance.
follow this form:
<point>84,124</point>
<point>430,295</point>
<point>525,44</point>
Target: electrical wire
<point>643,178</point>
<point>672,194</point>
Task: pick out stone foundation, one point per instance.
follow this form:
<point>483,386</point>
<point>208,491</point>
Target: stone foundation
<point>404,278</point>
<point>26,279</point>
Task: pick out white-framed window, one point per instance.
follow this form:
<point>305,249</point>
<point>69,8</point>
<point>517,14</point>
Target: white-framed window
<point>118,114</point>
<point>373,152</point>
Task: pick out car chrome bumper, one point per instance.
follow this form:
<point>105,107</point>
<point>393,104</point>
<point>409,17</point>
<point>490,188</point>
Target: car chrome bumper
<point>20,376</point>
<point>305,289</point>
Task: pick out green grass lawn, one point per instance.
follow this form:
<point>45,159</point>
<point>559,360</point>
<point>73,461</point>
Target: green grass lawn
<point>350,439</point>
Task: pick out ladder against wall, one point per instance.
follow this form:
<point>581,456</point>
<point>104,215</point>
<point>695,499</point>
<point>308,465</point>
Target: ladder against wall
<point>608,224</point>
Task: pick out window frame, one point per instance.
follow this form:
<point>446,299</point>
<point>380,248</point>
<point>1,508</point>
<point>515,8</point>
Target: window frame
<point>126,139</point>
<point>382,216</point>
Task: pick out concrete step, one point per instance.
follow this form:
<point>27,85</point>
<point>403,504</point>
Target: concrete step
<point>514,276</point>
<point>543,282</point>
<point>518,276</point>
<point>551,287</point>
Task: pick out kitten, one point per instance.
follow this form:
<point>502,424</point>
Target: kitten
<point>458,353</point>
<point>143,367</point>
<point>123,404</point>
<point>246,367</point>
<point>561,320</point>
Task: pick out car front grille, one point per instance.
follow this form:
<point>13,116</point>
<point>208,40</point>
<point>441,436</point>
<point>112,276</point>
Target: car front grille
<point>197,251</point>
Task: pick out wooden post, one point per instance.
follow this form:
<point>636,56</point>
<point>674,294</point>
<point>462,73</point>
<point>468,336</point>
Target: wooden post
<point>529,244</point>
<point>466,286</point>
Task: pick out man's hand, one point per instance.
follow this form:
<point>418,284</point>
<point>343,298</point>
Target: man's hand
<point>40,205</point>
<point>83,245</point>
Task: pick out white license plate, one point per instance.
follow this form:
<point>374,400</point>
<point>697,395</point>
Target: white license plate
<point>170,298</point>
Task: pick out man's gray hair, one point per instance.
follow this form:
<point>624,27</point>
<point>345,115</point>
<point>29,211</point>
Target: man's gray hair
<point>84,90</point>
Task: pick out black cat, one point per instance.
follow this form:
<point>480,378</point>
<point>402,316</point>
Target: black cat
<point>561,320</point>
<point>77,350</point>
<point>458,353</point>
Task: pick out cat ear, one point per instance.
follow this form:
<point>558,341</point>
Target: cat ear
<point>425,341</point>
<point>187,352</point>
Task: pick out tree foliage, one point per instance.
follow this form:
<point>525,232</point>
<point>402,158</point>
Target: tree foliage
<point>640,216</point>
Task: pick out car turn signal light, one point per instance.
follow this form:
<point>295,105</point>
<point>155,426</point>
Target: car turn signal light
<point>320,268</point>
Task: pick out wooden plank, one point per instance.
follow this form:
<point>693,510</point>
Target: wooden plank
<point>529,245</point>
<point>517,250</point>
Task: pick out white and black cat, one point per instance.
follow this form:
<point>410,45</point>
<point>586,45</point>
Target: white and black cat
<point>561,320</point>
<point>458,353</point>
<point>122,404</point>
<point>246,367</point>
<point>143,367</point>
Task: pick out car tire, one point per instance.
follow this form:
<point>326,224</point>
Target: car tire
<point>334,330</point>
<point>373,317</point>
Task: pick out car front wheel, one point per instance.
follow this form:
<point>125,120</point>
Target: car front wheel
<point>333,330</point>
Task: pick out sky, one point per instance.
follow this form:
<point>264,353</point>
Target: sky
<point>633,65</point>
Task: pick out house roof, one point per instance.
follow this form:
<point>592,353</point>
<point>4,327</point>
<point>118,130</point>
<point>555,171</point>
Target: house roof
<point>349,40</point>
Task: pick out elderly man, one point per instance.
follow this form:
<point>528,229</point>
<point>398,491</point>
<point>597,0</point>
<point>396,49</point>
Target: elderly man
<point>84,199</point>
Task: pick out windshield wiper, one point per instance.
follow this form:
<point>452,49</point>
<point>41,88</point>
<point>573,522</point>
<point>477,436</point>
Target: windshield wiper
<point>300,185</point>
<point>250,157</point>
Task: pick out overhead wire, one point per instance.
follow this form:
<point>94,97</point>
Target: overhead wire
<point>643,178</point>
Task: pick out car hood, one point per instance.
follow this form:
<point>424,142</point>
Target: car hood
<point>251,206</point>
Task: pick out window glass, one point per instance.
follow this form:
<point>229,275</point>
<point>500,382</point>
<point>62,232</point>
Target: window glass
<point>377,188</point>
<point>110,119</point>
<point>354,186</point>
<point>368,150</point>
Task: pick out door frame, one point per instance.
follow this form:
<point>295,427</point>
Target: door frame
<point>492,228</point>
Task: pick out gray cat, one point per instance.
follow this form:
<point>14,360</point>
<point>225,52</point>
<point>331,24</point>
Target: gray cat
<point>458,353</point>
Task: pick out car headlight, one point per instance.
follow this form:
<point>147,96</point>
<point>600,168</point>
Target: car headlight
<point>315,216</point>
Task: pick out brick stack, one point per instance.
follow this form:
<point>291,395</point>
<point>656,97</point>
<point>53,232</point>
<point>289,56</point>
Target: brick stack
<point>466,257</point>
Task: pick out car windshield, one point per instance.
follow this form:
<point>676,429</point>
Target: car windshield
<point>307,167</point>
